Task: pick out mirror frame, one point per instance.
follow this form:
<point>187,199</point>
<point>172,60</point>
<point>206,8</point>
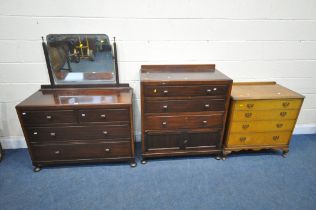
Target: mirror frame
<point>51,76</point>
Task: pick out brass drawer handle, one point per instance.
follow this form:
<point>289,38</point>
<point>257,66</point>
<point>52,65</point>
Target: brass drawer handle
<point>248,114</point>
<point>57,152</point>
<point>245,126</point>
<point>283,114</point>
<point>275,138</point>
<point>49,117</point>
<point>105,132</point>
<point>165,107</point>
<point>102,116</point>
<point>242,139</point>
<point>83,115</point>
<point>285,104</point>
<point>35,133</point>
<point>52,134</point>
<point>279,125</point>
<point>250,106</point>
<point>164,123</point>
<point>207,106</point>
<point>165,92</point>
<point>107,150</point>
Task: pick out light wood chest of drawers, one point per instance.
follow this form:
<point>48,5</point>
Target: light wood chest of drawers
<point>79,125</point>
<point>184,109</point>
<point>262,116</point>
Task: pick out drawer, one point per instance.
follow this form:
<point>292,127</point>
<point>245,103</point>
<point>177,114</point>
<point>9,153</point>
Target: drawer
<point>185,105</point>
<point>155,141</point>
<point>183,121</point>
<point>262,126</point>
<point>48,117</point>
<point>258,139</point>
<point>288,114</point>
<point>43,134</point>
<point>268,104</point>
<point>188,90</point>
<point>80,151</point>
<point>103,115</point>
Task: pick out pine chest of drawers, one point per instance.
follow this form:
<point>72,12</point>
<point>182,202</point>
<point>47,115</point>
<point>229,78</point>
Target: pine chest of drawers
<point>183,109</point>
<point>78,125</point>
<point>262,116</point>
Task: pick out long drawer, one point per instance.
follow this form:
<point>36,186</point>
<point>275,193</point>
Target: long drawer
<point>242,115</point>
<point>183,121</point>
<point>268,104</point>
<point>48,117</point>
<point>252,139</point>
<point>193,105</point>
<point>156,141</point>
<point>262,126</point>
<point>103,115</point>
<point>80,151</point>
<point>187,90</point>
<point>43,134</point>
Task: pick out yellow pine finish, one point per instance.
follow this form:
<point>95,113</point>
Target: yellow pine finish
<point>258,139</point>
<point>241,115</point>
<point>262,126</point>
<point>268,104</point>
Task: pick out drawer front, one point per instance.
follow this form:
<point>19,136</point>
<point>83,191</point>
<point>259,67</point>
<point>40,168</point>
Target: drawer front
<point>188,90</point>
<point>268,104</point>
<point>181,141</point>
<point>184,106</point>
<point>241,115</point>
<point>183,121</point>
<point>43,134</point>
<point>252,139</point>
<point>48,117</point>
<point>80,151</point>
<point>103,115</point>
<point>262,126</point>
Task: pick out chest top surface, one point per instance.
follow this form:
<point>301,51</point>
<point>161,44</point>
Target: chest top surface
<point>181,73</point>
<point>261,90</point>
<point>72,97</point>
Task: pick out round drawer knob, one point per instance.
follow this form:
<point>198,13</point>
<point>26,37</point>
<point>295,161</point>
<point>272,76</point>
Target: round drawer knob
<point>165,107</point>
<point>208,90</point>
<point>102,116</point>
<point>57,152</point>
<point>107,150</point>
<point>207,106</point>
<point>48,117</point>
<point>204,122</point>
<point>214,89</point>
<point>53,134</point>
<point>164,123</point>
<point>35,133</point>
<point>23,113</point>
<point>105,132</point>
<point>83,115</point>
<point>165,92</point>
<point>185,141</point>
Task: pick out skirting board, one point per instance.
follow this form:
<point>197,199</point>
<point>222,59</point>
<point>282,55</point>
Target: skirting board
<point>17,142</point>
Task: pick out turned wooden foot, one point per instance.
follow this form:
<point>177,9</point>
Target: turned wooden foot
<point>133,164</point>
<point>284,153</point>
<point>143,161</point>
<point>37,169</point>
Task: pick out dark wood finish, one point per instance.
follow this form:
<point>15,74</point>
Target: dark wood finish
<point>78,125</point>
<point>1,153</point>
<point>184,109</point>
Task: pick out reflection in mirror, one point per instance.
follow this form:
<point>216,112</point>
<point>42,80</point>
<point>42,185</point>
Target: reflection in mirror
<point>81,58</point>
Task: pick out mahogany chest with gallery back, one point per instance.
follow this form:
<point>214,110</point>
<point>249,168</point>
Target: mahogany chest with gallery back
<point>183,109</point>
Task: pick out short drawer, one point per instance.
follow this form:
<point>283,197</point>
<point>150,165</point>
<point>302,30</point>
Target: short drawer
<point>184,105</point>
<point>80,151</point>
<point>268,104</point>
<point>258,139</point>
<point>155,141</point>
<point>188,90</point>
<point>103,115</point>
<point>262,126</point>
<point>43,134</point>
<point>48,117</point>
<point>183,121</point>
<point>287,114</point>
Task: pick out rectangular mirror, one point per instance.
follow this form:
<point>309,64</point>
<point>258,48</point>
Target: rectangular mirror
<point>81,59</point>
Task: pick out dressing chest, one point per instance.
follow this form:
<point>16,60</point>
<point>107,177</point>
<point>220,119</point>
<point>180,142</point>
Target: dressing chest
<point>262,116</point>
<point>85,114</point>
<point>183,109</point>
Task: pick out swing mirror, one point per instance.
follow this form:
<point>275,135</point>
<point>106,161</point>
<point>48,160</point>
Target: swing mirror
<point>81,59</point>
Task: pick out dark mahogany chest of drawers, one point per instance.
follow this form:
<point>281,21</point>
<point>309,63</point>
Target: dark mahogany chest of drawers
<point>184,109</point>
<point>78,125</point>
